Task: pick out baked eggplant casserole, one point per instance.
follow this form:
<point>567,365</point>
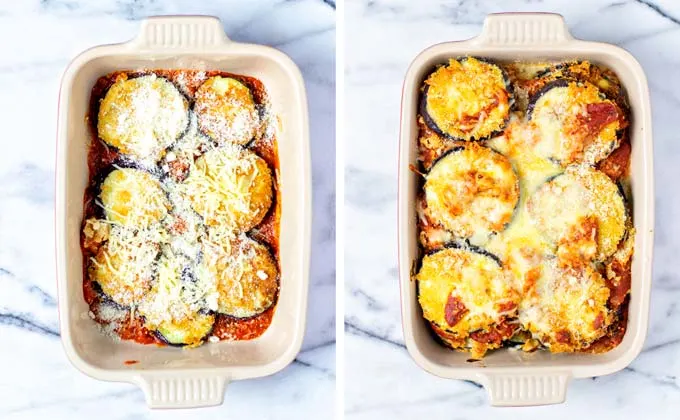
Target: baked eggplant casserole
<point>524,221</point>
<point>180,233</point>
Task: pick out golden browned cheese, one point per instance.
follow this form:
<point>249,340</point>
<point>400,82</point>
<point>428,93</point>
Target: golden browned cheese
<point>566,309</point>
<point>472,191</point>
<point>575,124</point>
<point>467,99</point>
<point>462,292</point>
<point>566,248</point>
<point>577,208</point>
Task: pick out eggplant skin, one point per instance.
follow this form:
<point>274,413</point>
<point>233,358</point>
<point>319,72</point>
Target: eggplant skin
<point>192,331</point>
<point>486,99</point>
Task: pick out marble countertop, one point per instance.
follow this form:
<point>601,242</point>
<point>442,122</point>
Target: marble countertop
<point>40,37</point>
<point>382,37</point>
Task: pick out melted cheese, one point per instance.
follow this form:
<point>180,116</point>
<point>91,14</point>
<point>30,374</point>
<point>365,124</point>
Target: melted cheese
<point>477,280</point>
<point>561,119</point>
<point>467,99</point>
<point>567,308</point>
<point>472,191</point>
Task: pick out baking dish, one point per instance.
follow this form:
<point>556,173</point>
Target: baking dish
<point>514,377</point>
<point>172,377</point>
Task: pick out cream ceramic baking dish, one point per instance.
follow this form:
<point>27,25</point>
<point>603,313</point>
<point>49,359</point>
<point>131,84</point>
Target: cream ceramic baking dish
<point>514,377</point>
<point>172,377</point>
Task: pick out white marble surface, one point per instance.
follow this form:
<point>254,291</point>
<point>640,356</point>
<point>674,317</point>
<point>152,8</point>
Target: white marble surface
<point>38,40</point>
<point>382,37</point>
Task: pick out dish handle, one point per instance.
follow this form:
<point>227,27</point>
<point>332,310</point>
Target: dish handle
<point>523,29</point>
<point>180,32</point>
<point>164,390</point>
<point>525,389</point>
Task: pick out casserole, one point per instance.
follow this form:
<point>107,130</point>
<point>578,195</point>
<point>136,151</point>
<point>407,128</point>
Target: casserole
<point>172,377</point>
<point>511,377</point>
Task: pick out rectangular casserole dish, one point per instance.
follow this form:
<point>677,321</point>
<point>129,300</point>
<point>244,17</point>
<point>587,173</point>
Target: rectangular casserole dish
<point>514,377</point>
<point>172,377</point>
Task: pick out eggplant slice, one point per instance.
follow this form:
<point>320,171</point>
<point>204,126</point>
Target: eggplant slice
<point>584,71</point>
<point>190,331</point>
<point>467,296</point>
<point>582,213</point>
<point>177,307</point>
<point>575,123</point>
<point>142,116</point>
<point>133,198</point>
<point>467,99</point>
<point>245,273</point>
<point>230,188</point>
<point>472,190</point>
<point>566,309</point>
<point>124,265</point>
<point>227,111</point>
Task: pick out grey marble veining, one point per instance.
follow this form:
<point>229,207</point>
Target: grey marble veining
<point>39,39</point>
<point>381,39</point>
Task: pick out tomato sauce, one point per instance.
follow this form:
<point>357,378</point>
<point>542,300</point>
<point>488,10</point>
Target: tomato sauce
<point>101,157</point>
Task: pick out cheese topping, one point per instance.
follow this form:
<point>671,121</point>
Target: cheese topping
<point>142,116</point>
<point>171,251</point>
<point>227,111</point>
<point>230,188</point>
<point>562,253</point>
<point>575,124</point>
<point>472,191</point>
<point>482,289</point>
<point>467,99</point>
<point>581,208</point>
<point>123,266</point>
<point>567,307</point>
<point>244,272</point>
<point>132,197</point>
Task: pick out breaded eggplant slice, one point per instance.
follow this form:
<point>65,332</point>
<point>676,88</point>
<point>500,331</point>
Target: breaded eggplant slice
<point>133,197</point>
<point>230,188</point>
<point>142,116</point>
<point>177,307</point>
<point>582,212</point>
<point>468,295</point>
<point>574,123</point>
<point>467,99</point>
<point>566,309</point>
<point>227,111</point>
<point>472,190</point>
<point>246,274</point>
<point>124,265</point>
